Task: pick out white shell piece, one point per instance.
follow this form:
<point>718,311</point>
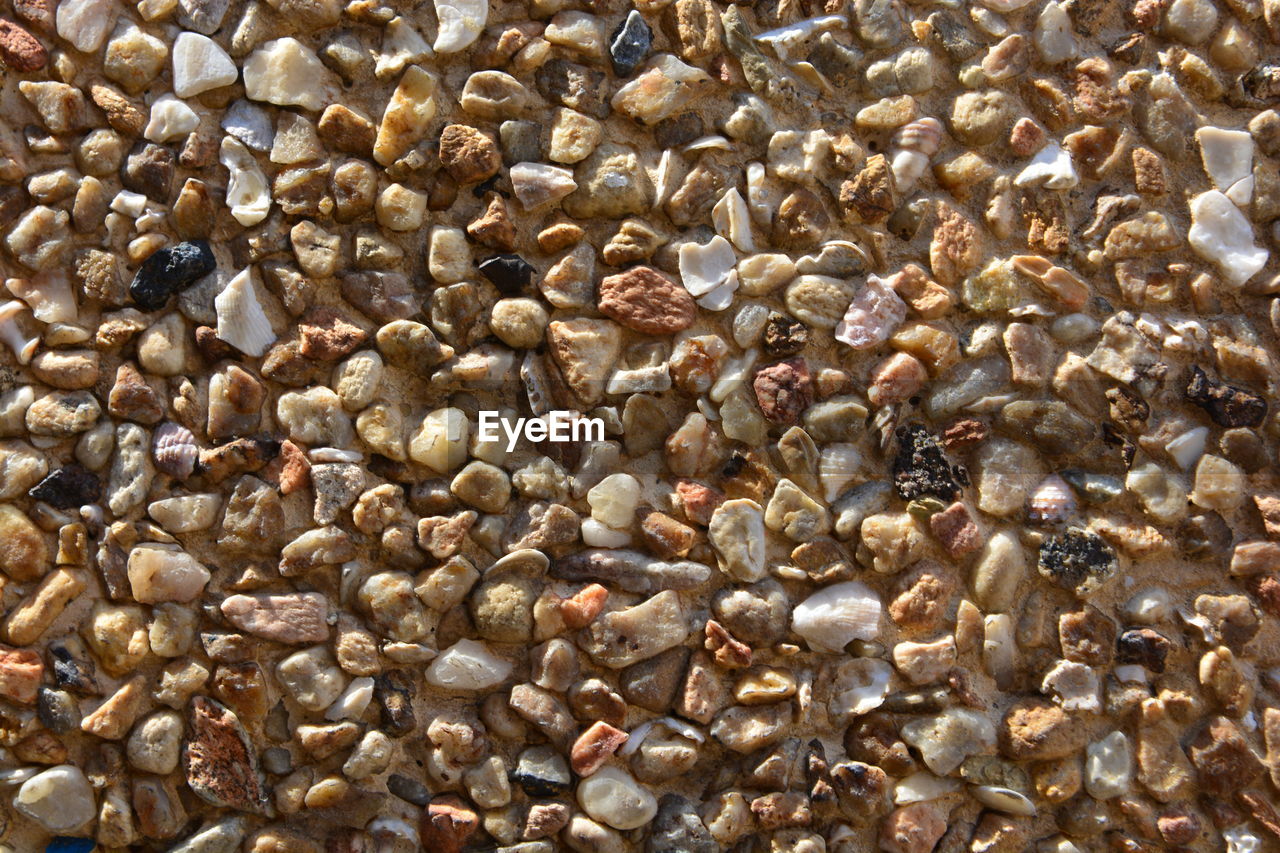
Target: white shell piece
<point>1004,800</point>
<point>859,687</point>
<point>48,294</point>
<point>834,616</point>
<point>461,22</point>
<point>664,182</point>
<point>1075,686</point>
<point>334,454</point>
<point>1005,6</point>
<point>704,267</point>
<point>1221,233</point>
<point>241,320</point>
<point>1052,167</point>
<point>1228,161</point>
<point>838,465</point>
<point>705,143</point>
<point>921,787</point>
<point>786,38</point>
<point>761,198</point>
<point>721,296</point>
<point>248,193</point>
<point>732,220</point>
<point>23,348</point>
<point>913,146</point>
<point>1052,501</point>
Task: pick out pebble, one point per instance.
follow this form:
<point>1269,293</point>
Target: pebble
<point>669,219</point>
<point>286,73</point>
<point>613,797</point>
<point>629,44</point>
<point>199,65</point>
<point>60,799</point>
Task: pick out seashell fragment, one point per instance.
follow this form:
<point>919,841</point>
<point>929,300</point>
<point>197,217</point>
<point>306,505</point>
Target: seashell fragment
<point>1228,161</point>
<point>836,615</point>
<point>858,687</point>
<point>248,193</point>
<point>838,466</point>
<point>1004,800</point>
<point>1004,7</point>
<point>706,143</point>
<point>241,320</point>
<point>704,267</point>
<point>1221,233</point>
<point>732,219</point>
<point>461,22</point>
<point>1051,168</point>
<point>872,316</point>
<point>913,146</point>
<point>48,294</point>
<point>791,37</point>
<point>174,450</point>
<point>922,787</point>
<point>1051,502</point>
<point>721,296</point>
<point>762,199</point>
<point>1074,685</point>
<point>23,348</point>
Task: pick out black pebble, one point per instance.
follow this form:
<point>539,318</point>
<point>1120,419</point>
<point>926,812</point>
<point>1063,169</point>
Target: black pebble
<point>169,270</point>
<point>68,487</point>
<point>509,273</point>
<point>630,44</point>
<point>410,790</point>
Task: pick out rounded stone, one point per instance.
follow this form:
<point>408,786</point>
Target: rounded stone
<point>613,797</point>
<point>60,799</point>
<point>518,323</point>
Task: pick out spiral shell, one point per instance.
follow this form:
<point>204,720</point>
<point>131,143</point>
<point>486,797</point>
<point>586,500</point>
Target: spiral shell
<point>923,135</point>
<point>913,145</point>
<point>838,466</point>
<point>1052,502</point>
<point>174,450</point>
